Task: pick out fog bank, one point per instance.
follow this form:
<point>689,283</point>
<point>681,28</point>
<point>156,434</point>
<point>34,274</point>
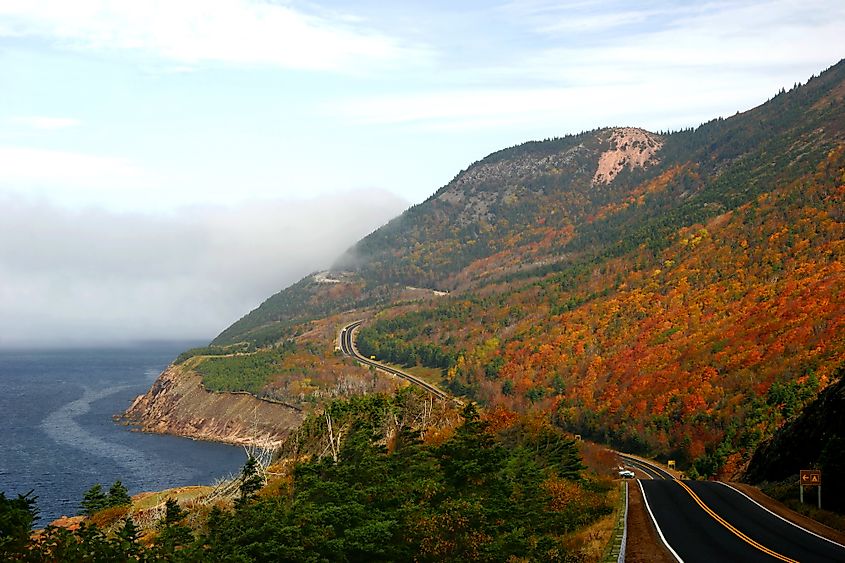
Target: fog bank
<point>92,277</point>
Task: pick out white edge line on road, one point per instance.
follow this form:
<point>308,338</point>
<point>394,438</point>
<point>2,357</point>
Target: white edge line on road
<point>788,521</point>
<point>657,526</point>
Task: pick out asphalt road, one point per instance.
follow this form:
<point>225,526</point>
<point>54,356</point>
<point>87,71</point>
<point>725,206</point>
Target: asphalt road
<point>653,471</point>
<point>347,346</point>
<point>705,521</point>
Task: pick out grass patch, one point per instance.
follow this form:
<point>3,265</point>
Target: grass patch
<point>241,347</point>
<point>244,372</point>
<point>181,494</point>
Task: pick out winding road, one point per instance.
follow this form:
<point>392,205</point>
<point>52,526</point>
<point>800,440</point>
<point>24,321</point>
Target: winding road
<point>347,346</point>
<point>708,521</point>
<point>697,521</point>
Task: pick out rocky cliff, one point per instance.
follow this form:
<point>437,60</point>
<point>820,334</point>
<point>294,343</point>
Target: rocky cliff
<point>178,404</point>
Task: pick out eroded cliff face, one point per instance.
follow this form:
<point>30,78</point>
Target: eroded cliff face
<point>177,403</point>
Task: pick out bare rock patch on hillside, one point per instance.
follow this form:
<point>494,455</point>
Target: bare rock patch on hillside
<point>631,147</point>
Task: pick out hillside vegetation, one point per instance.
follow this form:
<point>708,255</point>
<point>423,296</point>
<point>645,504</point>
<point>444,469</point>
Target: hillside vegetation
<point>813,440</point>
<point>679,294</point>
<point>376,478</point>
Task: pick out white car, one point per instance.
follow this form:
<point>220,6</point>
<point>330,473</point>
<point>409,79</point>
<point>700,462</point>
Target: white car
<point>626,474</point>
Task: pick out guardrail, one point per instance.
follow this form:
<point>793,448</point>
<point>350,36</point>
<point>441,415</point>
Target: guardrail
<point>616,548</point>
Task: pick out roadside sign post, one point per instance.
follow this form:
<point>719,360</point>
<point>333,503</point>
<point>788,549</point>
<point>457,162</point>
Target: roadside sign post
<point>810,478</point>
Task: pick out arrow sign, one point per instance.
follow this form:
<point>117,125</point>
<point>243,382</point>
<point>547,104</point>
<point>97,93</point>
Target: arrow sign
<point>810,477</point>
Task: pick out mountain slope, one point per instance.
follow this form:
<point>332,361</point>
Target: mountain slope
<point>677,352</point>
<point>655,291</point>
<point>563,201</point>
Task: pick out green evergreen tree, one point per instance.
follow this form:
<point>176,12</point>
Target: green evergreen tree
<point>172,533</point>
<point>129,531</point>
<point>94,500</point>
<point>127,538</point>
<point>118,495</point>
<point>88,543</point>
<point>251,481</point>
<point>173,513</point>
<point>16,518</point>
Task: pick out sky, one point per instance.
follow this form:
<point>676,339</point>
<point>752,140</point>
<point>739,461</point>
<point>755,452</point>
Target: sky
<point>167,165</point>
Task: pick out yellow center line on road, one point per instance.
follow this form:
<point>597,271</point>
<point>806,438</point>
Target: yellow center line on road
<point>733,530</point>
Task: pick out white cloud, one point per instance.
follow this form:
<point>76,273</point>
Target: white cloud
<point>76,180</point>
<point>747,18</point>
<point>45,122</point>
<point>577,17</point>
<point>88,277</point>
<point>595,65</point>
<point>200,31</point>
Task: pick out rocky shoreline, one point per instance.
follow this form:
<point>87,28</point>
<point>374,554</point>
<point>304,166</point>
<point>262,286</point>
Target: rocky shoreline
<point>178,404</point>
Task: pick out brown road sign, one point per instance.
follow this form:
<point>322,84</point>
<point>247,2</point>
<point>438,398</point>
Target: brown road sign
<point>810,477</point>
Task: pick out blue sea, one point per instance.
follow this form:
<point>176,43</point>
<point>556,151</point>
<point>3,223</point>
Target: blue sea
<point>58,438</point>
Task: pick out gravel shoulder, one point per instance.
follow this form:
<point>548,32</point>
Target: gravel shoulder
<point>644,545</point>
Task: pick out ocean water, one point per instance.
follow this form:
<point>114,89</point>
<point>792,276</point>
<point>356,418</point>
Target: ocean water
<point>58,438</point>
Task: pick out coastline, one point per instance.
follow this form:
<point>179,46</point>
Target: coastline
<point>178,404</point>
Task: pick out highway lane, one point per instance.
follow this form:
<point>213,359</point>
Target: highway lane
<point>756,522</point>
<point>347,346</point>
<point>708,521</point>
<point>653,471</point>
<point>690,531</point>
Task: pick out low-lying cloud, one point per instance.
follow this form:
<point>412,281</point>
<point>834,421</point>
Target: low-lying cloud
<point>94,277</point>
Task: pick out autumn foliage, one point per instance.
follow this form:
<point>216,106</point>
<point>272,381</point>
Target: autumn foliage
<point>696,352</point>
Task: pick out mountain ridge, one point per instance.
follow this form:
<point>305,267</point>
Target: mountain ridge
<point>689,272</point>
<point>726,139</point>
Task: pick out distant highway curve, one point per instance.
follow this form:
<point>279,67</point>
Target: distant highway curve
<point>347,346</point>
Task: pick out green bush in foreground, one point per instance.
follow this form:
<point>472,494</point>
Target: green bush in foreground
<point>16,518</point>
